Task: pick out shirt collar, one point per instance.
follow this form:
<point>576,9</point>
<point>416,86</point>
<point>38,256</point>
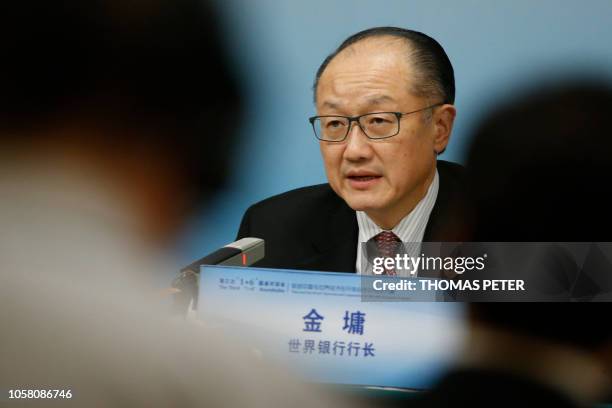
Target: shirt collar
<point>411,228</point>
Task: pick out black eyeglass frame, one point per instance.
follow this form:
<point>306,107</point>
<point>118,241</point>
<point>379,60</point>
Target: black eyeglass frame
<point>352,119</point>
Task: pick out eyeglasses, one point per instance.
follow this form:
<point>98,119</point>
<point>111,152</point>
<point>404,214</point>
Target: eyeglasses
<point>378,125</point>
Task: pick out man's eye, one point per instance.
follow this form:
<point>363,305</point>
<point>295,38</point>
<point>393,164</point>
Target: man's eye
<point>378,120</point>
<point>334,124</point>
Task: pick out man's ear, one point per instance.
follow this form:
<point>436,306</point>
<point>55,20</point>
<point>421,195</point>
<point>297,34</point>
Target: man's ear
<point>443,119</point>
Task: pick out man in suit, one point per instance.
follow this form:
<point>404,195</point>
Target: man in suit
<point>385,112</point>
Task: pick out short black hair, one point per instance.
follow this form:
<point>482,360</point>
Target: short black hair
<point>426,55</point>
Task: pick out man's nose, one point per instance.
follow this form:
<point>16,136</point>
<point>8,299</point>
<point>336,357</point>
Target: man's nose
<point>358,145</point>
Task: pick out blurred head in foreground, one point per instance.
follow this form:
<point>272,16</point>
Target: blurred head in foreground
<point>538,170</point>
<point>115,118</point>
<point>539,166</point>
<point>136,97</point>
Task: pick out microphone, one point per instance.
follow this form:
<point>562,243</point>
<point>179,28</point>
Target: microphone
<point>244,252</point>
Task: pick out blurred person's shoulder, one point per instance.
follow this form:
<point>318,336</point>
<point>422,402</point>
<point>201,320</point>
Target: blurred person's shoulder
<point>481,388</point>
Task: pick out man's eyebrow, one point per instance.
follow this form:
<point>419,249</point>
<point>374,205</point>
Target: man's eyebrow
<point>331,105</point>
<point>373,100</point>
<point>378,99</point>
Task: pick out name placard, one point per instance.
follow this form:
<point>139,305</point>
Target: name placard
<point>317,324</point>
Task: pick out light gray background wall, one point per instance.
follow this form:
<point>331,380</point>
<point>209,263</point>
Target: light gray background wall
<point>495,47</point>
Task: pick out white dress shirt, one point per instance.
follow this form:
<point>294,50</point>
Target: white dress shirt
<point>410,229</point>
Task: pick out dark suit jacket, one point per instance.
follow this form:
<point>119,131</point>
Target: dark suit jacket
<point>312,228</point>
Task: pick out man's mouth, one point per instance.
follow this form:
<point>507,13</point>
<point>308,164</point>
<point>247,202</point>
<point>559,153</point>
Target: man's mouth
<point>363,178</point>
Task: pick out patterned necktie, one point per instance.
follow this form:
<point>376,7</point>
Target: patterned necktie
<point>387,244</point>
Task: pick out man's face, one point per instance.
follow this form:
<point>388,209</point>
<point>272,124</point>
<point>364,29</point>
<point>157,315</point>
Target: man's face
<point>385,178</point>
